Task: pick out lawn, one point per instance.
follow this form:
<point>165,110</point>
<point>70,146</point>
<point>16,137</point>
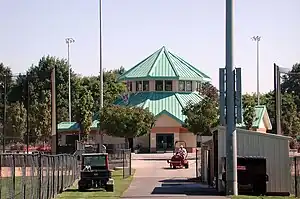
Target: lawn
<point>120,186</point>
<point>262,197</point>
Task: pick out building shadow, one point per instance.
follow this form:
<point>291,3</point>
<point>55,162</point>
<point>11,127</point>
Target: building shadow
<point>184,187</point>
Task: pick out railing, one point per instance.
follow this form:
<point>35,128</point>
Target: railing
<point>121,158</point>
<point>36,176</point>
<point>198,162</point>
<point>295,175</point>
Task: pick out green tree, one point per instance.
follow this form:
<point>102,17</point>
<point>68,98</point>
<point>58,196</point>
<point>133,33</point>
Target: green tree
<point>124,121</point>
<point>83,110</point>
<point>16,123</point>
<point>248,109</point>
<point>201,117</point>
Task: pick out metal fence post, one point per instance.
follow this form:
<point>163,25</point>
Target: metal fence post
<point>14,176</point>
<point>24,174</point>
<point>1,173</point>
<point>57,166</point>
<point>296,175</point>
<point>130,172</point>
<point>39,175</point>
<point>62,174</point>
<point>123,157</point>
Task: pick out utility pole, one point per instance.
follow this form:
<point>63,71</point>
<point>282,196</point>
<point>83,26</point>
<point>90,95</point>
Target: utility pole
<point>100,67</point>
<point>69,41</point>
<point>100,55</point>
<point>4,115</point>
<point>257,40</point>
<point>231,153</point>
<point>27,114</point>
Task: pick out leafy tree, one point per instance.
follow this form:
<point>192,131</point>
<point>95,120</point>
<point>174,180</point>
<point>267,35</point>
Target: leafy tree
<point>112,87</point>
<point>201,117</point>
<point>83,110</point>
<point>208,90</point>
<point>16,123</point>
<point>124,121</point>
<point>248,110</point>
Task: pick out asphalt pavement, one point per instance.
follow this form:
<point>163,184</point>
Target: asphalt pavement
<point>154,179</point>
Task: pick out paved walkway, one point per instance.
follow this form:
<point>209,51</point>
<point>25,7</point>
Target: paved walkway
<point>154,179</point>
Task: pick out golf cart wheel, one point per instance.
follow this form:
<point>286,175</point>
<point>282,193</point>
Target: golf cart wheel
<point>174,167</point>
<point>109,188</point>
<point>186,166</point>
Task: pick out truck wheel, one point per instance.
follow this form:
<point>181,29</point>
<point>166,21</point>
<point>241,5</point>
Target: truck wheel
<point>81,188</point>
<point>109,188</point>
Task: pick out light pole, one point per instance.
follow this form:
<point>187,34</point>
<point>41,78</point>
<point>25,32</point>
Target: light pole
<point>100,66</point>
<point>277,88</point>
<point>257,40</point>
<point>100,55</point>
<point>69,41</point>
<point>231,152</point>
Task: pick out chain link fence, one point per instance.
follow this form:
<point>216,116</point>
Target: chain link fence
<point>36,176</point>
<point>120,159</point>
<point>295,175</point>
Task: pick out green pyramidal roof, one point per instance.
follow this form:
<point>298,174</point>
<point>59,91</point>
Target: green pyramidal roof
<point>163,64</point>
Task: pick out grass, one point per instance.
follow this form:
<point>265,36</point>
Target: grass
<point>7,187</point>
<point>262,197</point>
<point>121,186</point>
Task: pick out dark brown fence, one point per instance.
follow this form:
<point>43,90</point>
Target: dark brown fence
<point>36,176</point>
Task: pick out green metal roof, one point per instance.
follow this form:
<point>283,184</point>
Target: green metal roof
<point>260,111</point>
<point>68,126</point>
<point>163,64</point>
<point>74,126</point>
<point>170,103</point>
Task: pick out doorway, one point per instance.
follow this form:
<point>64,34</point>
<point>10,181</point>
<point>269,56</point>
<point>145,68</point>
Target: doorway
<point>164,142</point>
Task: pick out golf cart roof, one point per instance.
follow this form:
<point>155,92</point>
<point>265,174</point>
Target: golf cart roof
<point>94,154</point>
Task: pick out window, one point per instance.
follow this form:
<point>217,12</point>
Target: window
<point>159,85</point>
<point>168,85</point>
<point>181,86</point>
<point>198,86</point>
<point>139,86</point>
<point>145,85</point>
<point>96,161</point>
<point>188,86</point>
<point>129,86</point>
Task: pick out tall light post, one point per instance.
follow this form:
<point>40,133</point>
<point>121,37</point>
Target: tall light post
<point>257,40</point>
<point>231,147</point>
<point>277,88</point>
<point>100,65</point>
<point>68,42</point>
<point>100,53</point>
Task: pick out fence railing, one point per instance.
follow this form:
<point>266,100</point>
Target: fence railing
<point>295,175</point>
<point>36,176</point>
<point>198,162</point>
<point>121,158</point>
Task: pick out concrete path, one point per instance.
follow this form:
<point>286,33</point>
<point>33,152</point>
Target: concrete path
<point>154,179</point>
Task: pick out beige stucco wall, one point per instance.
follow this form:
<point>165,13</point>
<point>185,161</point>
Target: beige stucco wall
<point>166,121</point>
<point>189,138</point>
<point>152,85</point>
<point>143,141</point>
<point>175,85</point>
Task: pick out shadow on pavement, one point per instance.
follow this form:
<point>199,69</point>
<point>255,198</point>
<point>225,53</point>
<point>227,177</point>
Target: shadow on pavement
<point>184,187</point>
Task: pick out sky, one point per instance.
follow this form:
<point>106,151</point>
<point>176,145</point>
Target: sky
<point>133,29</point>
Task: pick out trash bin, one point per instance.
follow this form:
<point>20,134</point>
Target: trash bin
<point>252,175</point>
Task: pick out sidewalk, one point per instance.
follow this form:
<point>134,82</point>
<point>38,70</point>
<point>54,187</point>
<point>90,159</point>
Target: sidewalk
<point>159,156</point>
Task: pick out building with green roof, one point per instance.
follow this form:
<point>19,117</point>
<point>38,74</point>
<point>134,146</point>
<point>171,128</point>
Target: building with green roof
<point>164,83</point>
